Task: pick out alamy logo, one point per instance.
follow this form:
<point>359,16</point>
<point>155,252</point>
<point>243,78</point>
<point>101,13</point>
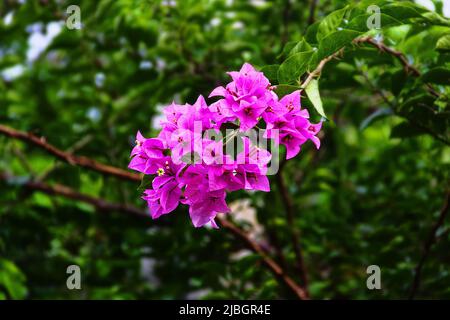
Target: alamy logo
<point>374,20</point>
<point>74,17</point>
<point>74,280</point>
<point>374,280</point>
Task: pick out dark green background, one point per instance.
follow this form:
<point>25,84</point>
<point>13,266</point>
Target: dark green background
<point>369,196</point>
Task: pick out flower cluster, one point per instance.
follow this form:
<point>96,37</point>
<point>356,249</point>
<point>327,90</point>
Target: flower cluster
<point>190,165</point>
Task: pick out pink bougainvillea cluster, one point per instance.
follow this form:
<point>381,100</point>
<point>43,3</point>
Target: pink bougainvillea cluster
<point>246,103</point>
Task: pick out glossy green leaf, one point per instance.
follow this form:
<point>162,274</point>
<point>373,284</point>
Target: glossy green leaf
<point>283,89</point>
<point>271,72</point>
<point>359,23</point>
<point>312,91</point>
<point>301,46</point>
<point>402,11</point>
<point>330,23</point>
<point>335,41</point>
<point>293,67</point>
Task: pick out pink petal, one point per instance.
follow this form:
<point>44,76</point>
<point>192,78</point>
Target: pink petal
<point>219,91</point>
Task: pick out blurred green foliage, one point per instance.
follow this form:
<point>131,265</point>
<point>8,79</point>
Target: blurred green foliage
<point>369,196</point>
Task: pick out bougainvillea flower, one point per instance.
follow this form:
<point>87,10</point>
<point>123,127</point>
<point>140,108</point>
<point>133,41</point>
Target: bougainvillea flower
<point>188,161</point>
<point>165,195</point>
<point>225,177</point>
<point>292,140</point>
<point>254,177</point>
<point>163,200</point>
<point>252,154</point>
<point>205,210</point>
<point>222,113</point>
<point>247,96</point>
<point>309,130</point>
<point>146,154</point>
<point>138,144</point>
<point>290,103</point>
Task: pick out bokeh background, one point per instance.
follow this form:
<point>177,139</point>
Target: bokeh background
<point>369,196</point>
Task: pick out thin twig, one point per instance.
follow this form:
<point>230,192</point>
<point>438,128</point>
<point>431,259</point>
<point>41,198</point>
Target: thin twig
<point>427,246</point>
<point>67,192</point>
<point>383,48</point>
<point>409,68</point>
<point>75,147</point>
<point>275,242</point>
<point>295,234</point>
<point>105,206</point>
<point>394,109</point>
<point>68,157</point>
<point>109,170</point>
<point>274,267</point>
<point>319,68</point>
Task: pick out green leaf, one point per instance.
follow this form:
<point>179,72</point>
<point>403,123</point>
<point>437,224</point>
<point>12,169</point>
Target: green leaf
<point>311,32</point>
<point>335,41</point>
<point>330,23</point>
<point>440,75</point>
<point>312,91</point>
<point>436,19</point>
<point>284,89</point>
<point>443,44</point>
<point>364,4</point>
<point>415,101</point>
<point>271,72</point>
<point>400,11</point>
<point>293,47</point>
<point>359,23</point>
<point>287,49</point>
<point>301,46</point>
<point>12,279</point>
<point>293,67</point>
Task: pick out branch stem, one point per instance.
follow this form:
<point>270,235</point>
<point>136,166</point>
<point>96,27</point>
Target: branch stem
<point>427,246</point>
<point>67,156</point>
<point>103,205</point>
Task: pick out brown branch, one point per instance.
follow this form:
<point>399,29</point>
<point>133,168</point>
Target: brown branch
<point>64,191</point>
<point>409,68</point>
<point>295,234</point>
<point>397,54</point>
<point>319,68</point>
<point>427,246</point>
<point>103,205</point>
<point>78,145</point>
<point>300,292</point>
<point>392,106</point>
<point>68,157</point>
<point>275,242</point>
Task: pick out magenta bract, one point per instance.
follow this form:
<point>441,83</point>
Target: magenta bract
<point>188,160</point>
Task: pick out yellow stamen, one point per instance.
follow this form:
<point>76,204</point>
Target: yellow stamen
<point>160,172</point>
